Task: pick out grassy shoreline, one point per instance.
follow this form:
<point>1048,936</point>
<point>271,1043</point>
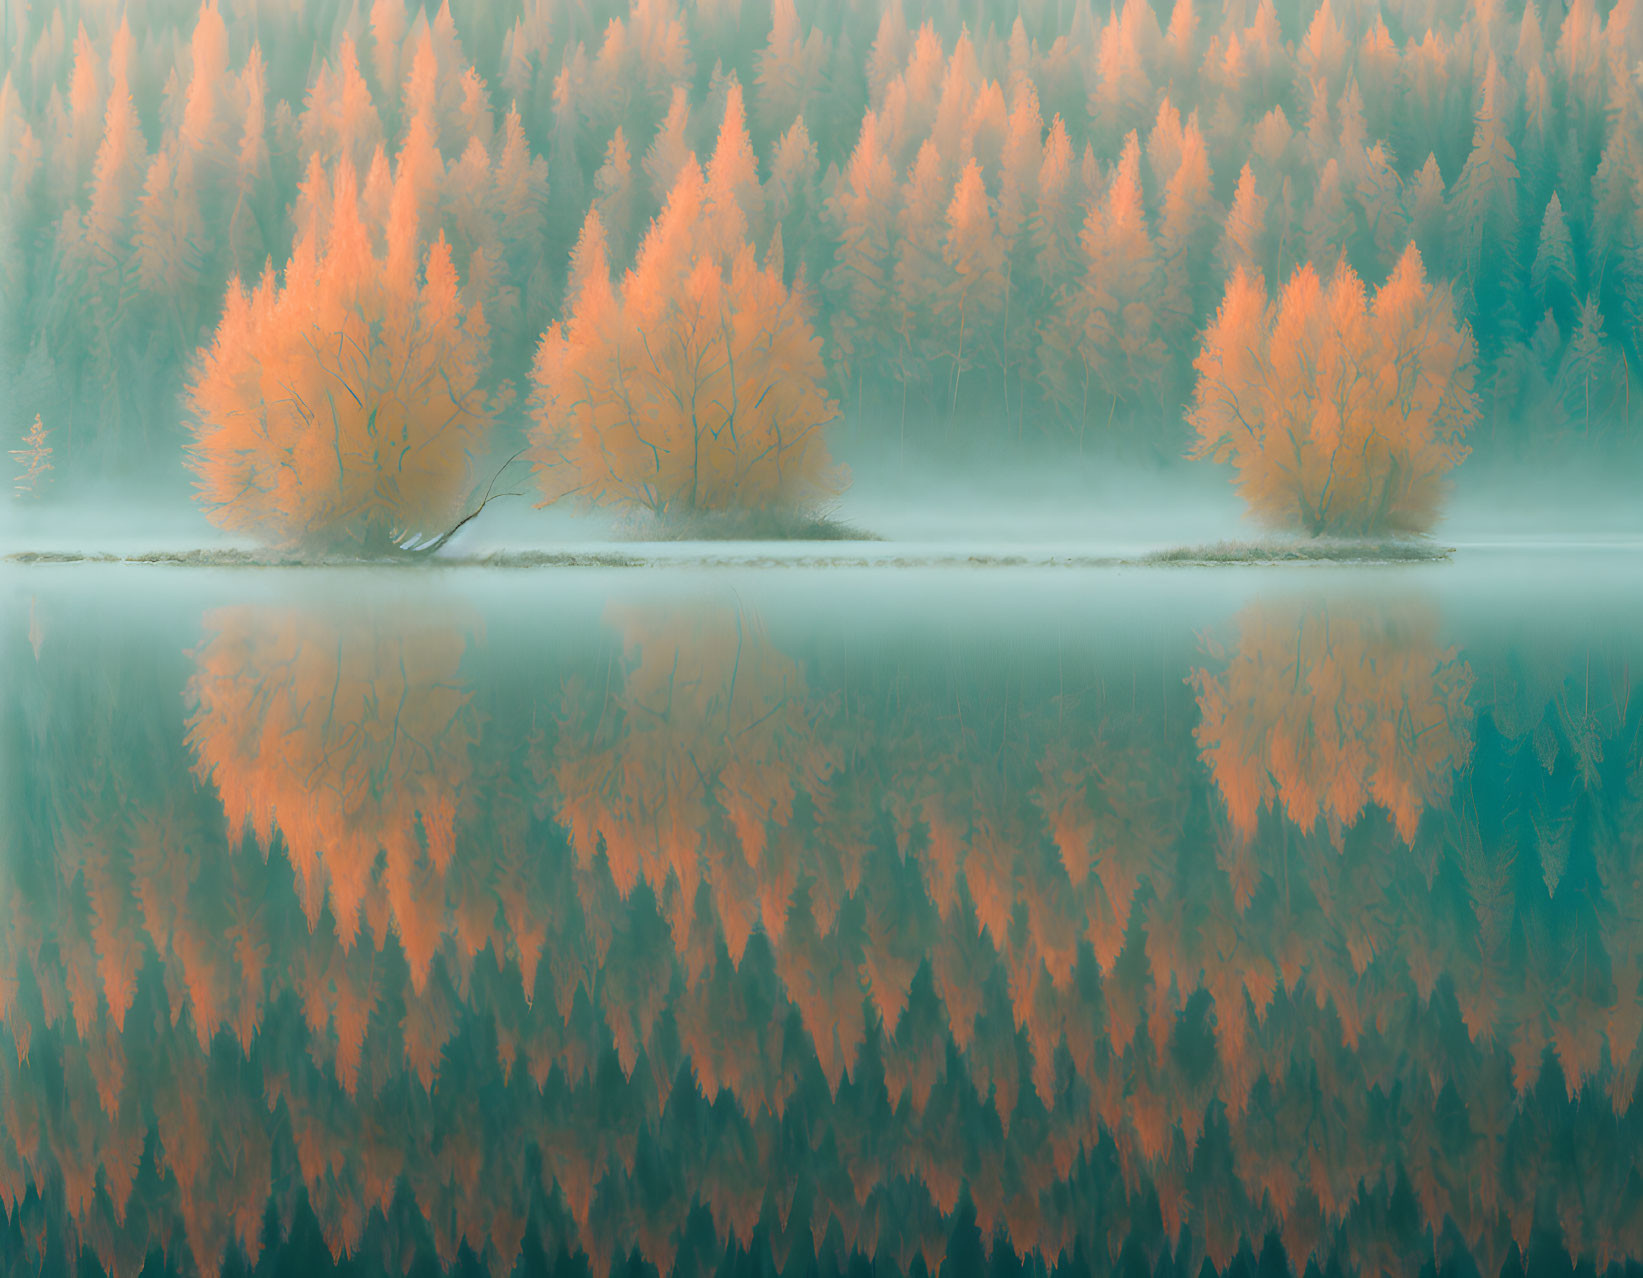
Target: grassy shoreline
<point>824,555</point>
<point>1338,550</point>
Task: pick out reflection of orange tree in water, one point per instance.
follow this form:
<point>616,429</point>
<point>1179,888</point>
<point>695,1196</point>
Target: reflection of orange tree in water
<point>690,769</point>
<point>350,737</point>
<point>1320,711</point>
<point>939,1002</point>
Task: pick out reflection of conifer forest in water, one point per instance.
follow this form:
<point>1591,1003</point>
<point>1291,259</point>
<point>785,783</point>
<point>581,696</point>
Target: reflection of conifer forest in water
<point>692,930</point>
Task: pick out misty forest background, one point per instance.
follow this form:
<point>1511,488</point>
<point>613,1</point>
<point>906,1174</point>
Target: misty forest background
<point>1130,160</point>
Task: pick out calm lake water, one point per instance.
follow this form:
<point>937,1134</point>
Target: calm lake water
<point>796,921</point>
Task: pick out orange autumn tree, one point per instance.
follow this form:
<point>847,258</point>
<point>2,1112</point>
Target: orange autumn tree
<point>340,408</point>
<point>695,383</point>
<point>1342,414</point>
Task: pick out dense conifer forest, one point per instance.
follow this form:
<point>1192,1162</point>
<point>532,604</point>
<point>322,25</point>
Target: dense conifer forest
<point>964,226</point>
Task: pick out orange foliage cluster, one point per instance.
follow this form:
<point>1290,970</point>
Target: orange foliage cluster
<point>340,408</point>
<point>1322,711</point>
<point>974,939</point>
<point>697,384</point>
<point>1341,414</point>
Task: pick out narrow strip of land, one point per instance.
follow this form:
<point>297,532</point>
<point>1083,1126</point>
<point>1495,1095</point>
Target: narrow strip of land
<point>790,556</point>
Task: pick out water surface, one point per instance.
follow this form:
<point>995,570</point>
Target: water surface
<point>796,920</point>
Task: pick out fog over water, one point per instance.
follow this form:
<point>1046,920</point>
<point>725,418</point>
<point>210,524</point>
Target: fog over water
<point>1096,507</point>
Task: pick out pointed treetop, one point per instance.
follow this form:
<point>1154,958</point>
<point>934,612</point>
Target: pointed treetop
<point>1323,48</point>
<point>1552,273</point>
<point>347,243</point>
<point>119,58</point>
<point>419,171</point>
<point>734,198</point>
<point>313,205</point>
<point>1124,206</point>
<point>121,155</point>
<point>924,178</point>
<point>968,209</point>
<point>1020,56</point>
<point>1182,31</point>
<point>1055,169</point>
<point>958,94</point>
<point>521,178</point>
<point>733,160</point>
<point>422,80</point>
<point>210,62</point>
<point>1489,105</point>
<point>1272,138</point>
<point>1378,57</point>
<point>671,244</point>
<point>85,92</point>
<point>925,68</point>
<point>613,193</point>
<point>589,268</point>
<point>1430,178</point>
<point>794,164</point>
<point>1022,156</point>
<point>669,149</point>
<point>1188,196</point>
<point>1164,144</point>
<point>1531,45</point>
<point>889,52</point>
<point>387,36</point>
<point>1241,244</point>
<point>253,86</point>
<point>1354,129</point>
<point>476,109</point>
<point>1408,274</point>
